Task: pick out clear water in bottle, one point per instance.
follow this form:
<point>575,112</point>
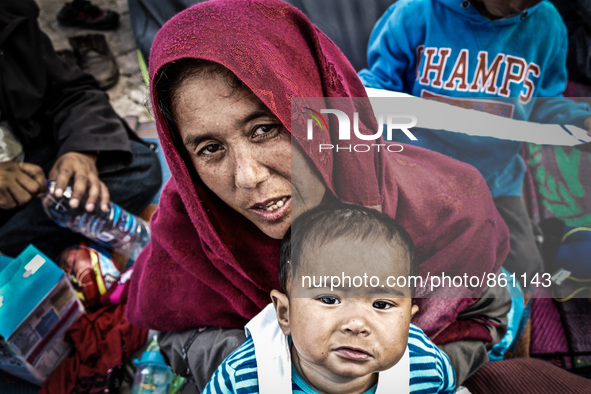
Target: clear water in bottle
<point>152,376</point>
<point>116,228</point>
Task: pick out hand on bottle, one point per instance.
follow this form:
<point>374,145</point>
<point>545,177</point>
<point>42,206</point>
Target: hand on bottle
<point>20,183</point>
<point>81,168</point>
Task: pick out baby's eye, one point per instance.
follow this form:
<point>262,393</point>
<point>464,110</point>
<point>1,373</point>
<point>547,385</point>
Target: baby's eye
<point>330,300</point>
<point>382,305</point>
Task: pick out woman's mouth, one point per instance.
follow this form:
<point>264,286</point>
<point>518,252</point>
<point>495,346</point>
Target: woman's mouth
<point>354,354</point>
<point>272,204</point>
<point>273,209</point>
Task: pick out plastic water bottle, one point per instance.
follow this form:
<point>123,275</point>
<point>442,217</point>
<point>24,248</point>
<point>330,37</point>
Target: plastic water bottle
<point>115,229</point>
<point>152,376</point>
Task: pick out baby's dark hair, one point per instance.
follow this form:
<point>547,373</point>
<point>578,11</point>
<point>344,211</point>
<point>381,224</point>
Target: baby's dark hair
<point>324,224</point>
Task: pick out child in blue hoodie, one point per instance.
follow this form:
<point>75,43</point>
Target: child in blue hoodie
<point>500,56</point>
<point>504,57</point>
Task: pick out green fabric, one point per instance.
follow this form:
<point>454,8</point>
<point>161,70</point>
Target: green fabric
<point>143,68</point>
<point>562,183</point>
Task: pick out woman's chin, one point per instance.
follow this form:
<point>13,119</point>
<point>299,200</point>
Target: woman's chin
<point>275,230</point>
<point>273,222</point>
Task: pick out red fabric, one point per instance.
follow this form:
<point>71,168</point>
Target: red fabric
<point>98,338</point>
<point>547,331</point>
<point>207,265</point>
<point>463,329</point>
<point>525,376</point>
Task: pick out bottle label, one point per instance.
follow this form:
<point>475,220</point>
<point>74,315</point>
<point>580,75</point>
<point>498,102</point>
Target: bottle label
<point>105,237</point>
<point>123,227</point>
<point>115,229</point>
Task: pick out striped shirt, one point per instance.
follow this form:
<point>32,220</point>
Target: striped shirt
<point>430,370</point>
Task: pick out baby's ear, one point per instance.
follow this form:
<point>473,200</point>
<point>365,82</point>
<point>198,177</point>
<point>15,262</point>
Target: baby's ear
<point>281,304</point>
<point>413,310</point>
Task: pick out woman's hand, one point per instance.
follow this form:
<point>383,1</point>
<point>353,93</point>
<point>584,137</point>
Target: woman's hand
<point>20,183</point>
<point>81,168</point>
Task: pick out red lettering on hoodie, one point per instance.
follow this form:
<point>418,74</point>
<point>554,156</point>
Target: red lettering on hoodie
<point>459,73</point>
<point>430,66</point>
<point>532,69</point>
<point>486,78</point>
<point>514,73</point>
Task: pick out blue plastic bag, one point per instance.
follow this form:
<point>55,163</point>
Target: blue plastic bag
<point>516,318</point>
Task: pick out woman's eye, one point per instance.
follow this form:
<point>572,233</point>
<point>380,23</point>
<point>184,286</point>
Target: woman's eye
<point>330,300</point>
<point>264,130</point>
<point>209,149</point>
<point>382,305</point>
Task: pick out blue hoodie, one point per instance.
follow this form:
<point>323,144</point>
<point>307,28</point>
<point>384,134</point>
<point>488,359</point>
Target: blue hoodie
<point>445,50</point>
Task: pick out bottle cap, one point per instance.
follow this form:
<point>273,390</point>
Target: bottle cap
<point>151,357</point>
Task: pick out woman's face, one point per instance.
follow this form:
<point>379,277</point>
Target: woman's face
<point>240,150</point>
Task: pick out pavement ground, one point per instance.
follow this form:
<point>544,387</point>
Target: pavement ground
<point>129,96</point>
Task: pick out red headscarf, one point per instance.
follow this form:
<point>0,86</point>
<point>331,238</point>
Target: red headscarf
<point>208,265</point>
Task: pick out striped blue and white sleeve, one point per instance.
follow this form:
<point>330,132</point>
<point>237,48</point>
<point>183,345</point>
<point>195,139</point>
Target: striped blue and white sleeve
<point>430,368</point>
<point>237,374</point>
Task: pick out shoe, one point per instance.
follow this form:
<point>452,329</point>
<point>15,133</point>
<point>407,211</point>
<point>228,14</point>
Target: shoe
<point>82,13</point>
<point>95,58</point>
<point>68,55</point>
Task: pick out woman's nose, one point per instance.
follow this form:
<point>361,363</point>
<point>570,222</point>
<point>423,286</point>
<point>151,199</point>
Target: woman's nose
<point>250,170</point>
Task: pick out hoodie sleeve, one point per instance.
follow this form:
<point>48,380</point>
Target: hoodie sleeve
<point>391,50</point>
<point>550,106</point>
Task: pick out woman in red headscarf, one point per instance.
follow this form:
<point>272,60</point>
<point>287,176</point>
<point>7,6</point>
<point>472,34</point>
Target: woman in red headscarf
<point>223,75</point>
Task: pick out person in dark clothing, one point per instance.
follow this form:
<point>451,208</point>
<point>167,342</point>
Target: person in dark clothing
<point>84,14</point>
<point>69,133</point>
<point>347,23</point>
<point>577,18</point>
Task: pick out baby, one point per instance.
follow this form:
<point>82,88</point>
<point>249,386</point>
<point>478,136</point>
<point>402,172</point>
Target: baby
<point>342,318</point>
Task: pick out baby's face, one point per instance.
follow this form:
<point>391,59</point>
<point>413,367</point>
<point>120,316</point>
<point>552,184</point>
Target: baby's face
<point>350,332</point>
<point>497,9</point>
